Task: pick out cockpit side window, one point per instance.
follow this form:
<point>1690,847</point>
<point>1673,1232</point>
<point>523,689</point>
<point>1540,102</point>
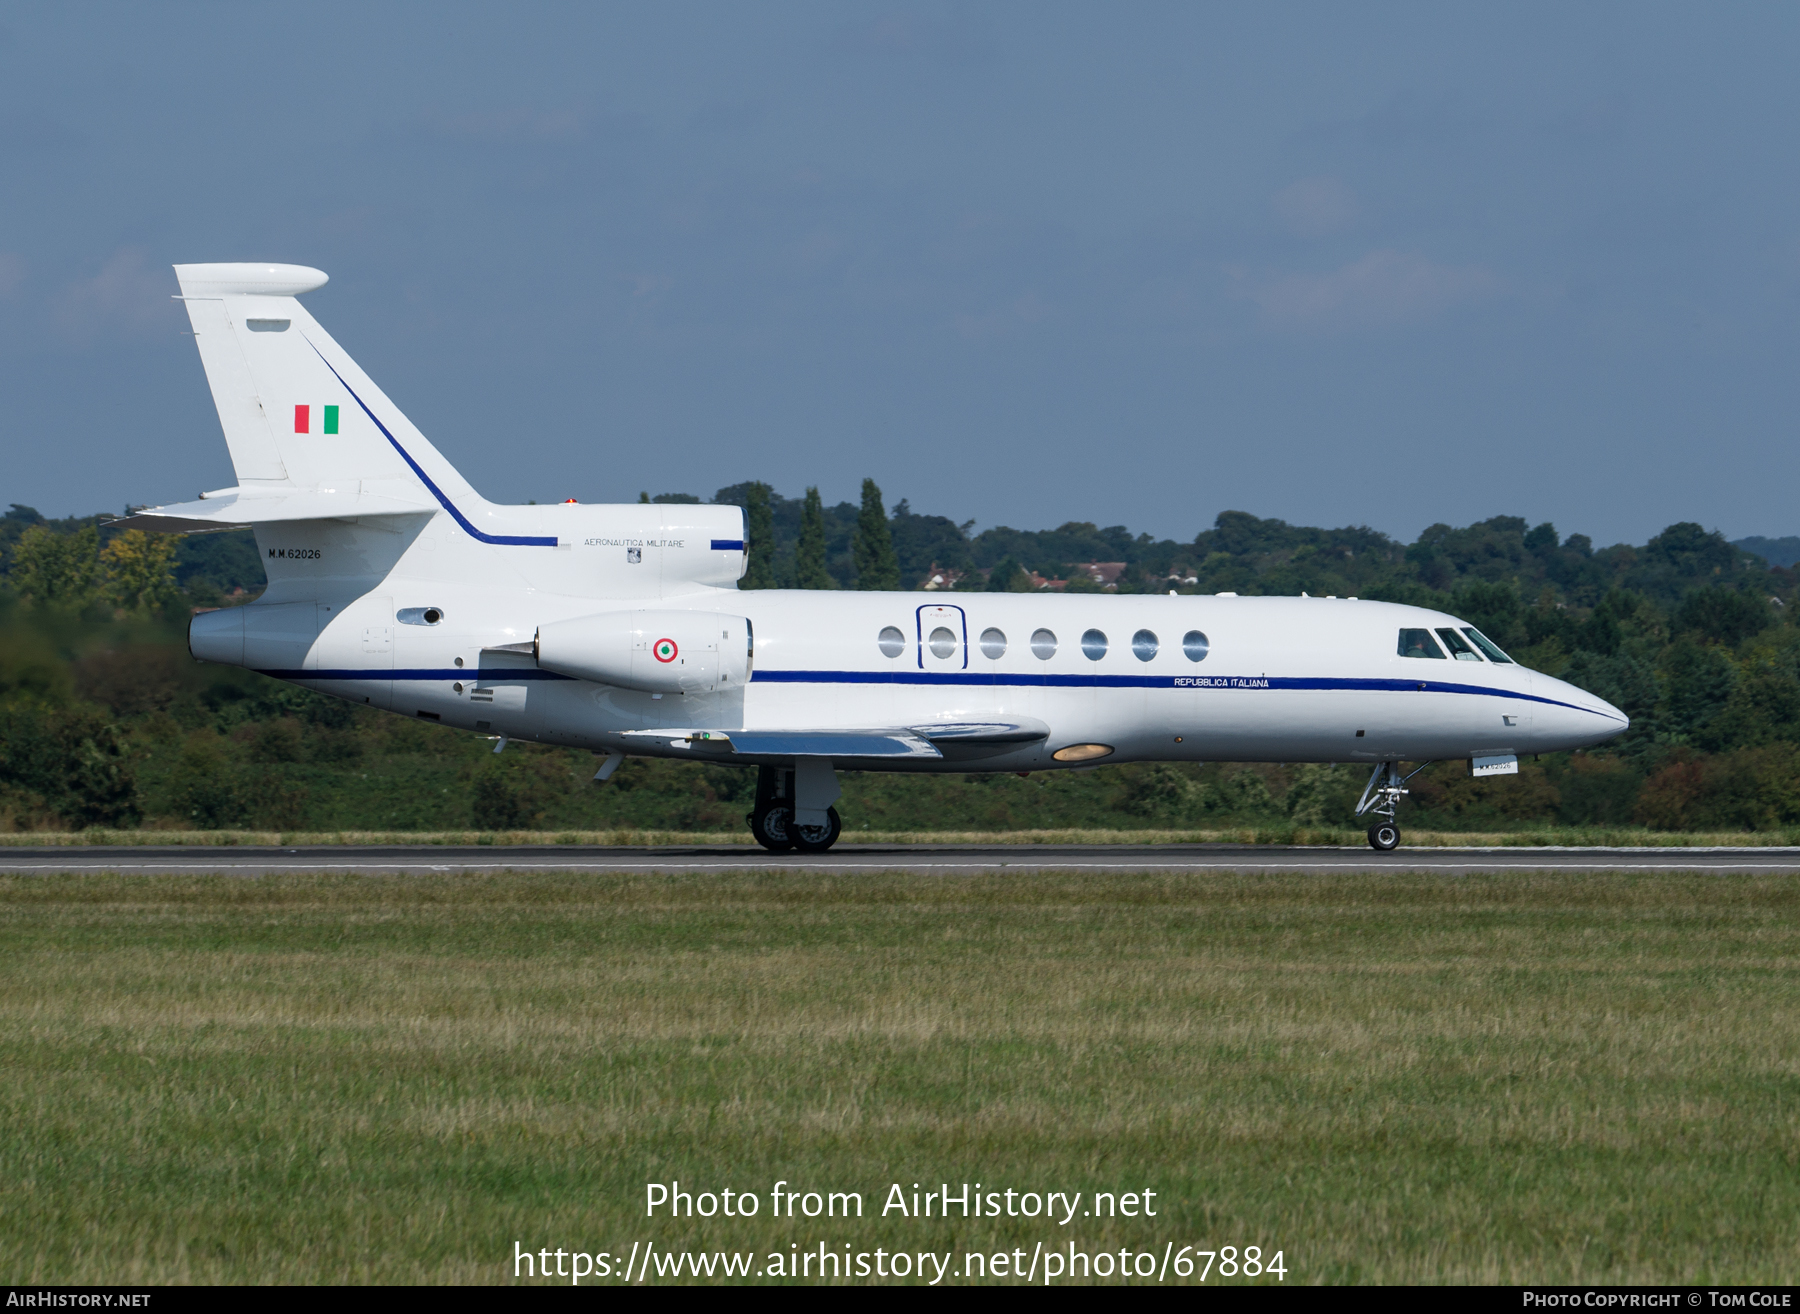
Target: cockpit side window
<point>1486,645</point>
<point>1419,643</point>
<point>1458,649</point>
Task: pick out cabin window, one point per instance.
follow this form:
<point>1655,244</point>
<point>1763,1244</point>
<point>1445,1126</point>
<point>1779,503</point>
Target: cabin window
<point>1043,644</point>
<point>1419,643</point>
<point>1093,644</point>
<point>1458,649</point>
<point>942,642</point>
<point>1194,644</point>
<point>993,644</point>
<point>891,642</point>
<point>1144,645</point>
<point>1486,645</point>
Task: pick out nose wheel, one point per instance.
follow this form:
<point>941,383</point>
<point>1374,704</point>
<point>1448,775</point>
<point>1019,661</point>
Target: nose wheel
<point>1382,797</point>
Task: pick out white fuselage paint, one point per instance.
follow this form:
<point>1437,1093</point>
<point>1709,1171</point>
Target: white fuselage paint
<point>394,584</point>
<point>1283,679</point>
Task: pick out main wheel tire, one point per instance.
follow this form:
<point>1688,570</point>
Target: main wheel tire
<point>817,839</point>
<point>1384,837</point>
<point>774,828</point>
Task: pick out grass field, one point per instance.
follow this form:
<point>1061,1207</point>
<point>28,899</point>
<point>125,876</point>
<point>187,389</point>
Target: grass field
<point>631,837</point>
<point>1540,1077</point>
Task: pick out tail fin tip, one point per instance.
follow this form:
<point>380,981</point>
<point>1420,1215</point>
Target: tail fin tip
<point>249,280</point>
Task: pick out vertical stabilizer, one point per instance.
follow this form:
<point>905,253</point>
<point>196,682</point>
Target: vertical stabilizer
<point>296,409</point>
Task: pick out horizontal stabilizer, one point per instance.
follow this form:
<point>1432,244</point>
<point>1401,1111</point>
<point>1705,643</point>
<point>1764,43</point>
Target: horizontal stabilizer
<point>233,508</point>
<point>801,743</point>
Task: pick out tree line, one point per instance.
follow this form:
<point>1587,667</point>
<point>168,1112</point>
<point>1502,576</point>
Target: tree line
<point>105,720</point>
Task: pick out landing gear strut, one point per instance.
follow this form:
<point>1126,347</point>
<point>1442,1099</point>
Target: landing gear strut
<point>816,839</point>
<point>773,813</point>
<point>1382,797</point>
<point>772,820</point>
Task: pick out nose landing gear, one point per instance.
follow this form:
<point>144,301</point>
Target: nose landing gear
<point>1382,797</point>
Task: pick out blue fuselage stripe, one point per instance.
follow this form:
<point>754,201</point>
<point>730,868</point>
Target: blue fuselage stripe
<point>728,545</point>
<point>1096,681</point>
<point>513,540</point>
<point>492,675</point>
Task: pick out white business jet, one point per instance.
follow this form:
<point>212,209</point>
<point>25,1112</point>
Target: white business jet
<point>620,629</point>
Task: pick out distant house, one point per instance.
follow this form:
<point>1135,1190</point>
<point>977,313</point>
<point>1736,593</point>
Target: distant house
<point>939,577</point>
<point>1039,583</point>
<point>1176,577</point>
<point>1104,573</point>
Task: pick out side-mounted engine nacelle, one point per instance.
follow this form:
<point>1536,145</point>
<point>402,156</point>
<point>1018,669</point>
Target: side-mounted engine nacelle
<point>653,651</point>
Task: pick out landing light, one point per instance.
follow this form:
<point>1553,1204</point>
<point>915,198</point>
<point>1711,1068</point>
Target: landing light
<point>1082,752</point>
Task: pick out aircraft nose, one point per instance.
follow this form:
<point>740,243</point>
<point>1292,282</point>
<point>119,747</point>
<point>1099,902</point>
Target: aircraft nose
<point>1584,718</point>
<point>1598,706</point>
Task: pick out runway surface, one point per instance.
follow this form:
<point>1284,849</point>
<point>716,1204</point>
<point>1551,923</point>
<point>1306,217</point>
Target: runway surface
<point>849,858</point>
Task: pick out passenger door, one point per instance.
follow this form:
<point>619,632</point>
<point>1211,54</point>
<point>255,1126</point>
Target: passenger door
<point>943,638</point>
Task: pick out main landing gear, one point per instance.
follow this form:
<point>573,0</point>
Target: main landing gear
<point>772,820</point>
<point>1382,797</point>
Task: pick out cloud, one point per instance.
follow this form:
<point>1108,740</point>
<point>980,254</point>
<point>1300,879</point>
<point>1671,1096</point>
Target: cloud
<point>1004,321</point>
<point>1787,258</point>
<point>957,37</point>
<point>127,297</point>
<point>1315,207</point>
<point>727,115</point>
<point>32,132</point>
<point>1601,120</point>
<point>1383,289</point>
<point>507,126</point>
<point>522,126</point>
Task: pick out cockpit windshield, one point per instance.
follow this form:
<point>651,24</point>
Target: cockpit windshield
<point>1458,649</point>
<point>1419,643</point>
<point>1486,645</point>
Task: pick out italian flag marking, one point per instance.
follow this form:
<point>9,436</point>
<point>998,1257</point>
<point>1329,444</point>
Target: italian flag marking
<point>665,650</point>
<point>303,419</point>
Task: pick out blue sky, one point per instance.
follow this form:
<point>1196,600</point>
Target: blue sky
<point>1379,264</point>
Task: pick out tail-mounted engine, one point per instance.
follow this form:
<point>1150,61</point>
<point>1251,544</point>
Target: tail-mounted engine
<point>653,651</point>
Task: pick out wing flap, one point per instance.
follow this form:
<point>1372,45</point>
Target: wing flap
<point>1011,730</point>
<point>895,743</point>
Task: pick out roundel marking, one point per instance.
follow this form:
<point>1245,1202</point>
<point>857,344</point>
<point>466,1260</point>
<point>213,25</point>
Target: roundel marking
<point>665,650</point>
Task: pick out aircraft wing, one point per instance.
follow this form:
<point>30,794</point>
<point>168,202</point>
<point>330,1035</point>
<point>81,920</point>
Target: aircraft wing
<point>233,508</point>
<point>1011,730</point>
<point>799,743</point>
<point>897,742</point>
